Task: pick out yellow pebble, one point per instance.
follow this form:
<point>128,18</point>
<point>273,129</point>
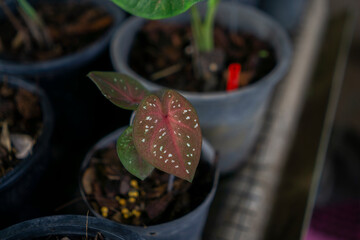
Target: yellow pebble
<point>117,198</point>
<point>134,183</point>
<point>134,194</point>
<point>122,201</point>
<point>136,213</point>
<point>104,211</point>
<point>125,211</point>
<point>132,200</point>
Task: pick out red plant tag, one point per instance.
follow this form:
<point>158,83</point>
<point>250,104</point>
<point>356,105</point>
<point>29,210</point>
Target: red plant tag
<point>120,89</point>
<point>234,70</point>
<point>167,134</point>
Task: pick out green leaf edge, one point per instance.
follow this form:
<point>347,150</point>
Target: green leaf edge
<point>156,16</point>
<point>130,128</point>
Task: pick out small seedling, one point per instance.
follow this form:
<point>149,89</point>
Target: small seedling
<point>165,133</point>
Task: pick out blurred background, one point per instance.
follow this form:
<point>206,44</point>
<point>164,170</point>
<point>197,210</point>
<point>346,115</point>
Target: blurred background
<point>336,212</point>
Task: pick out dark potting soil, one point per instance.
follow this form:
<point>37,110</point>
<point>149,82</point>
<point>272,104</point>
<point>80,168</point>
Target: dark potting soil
<point>20,113</point>
<point>163,53</point>
<point>98,236</point>
<point>71,27</point>
<point>117,195</point>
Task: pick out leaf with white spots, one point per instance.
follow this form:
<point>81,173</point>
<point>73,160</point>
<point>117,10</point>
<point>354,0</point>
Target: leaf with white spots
<point>167,134</point>
<point>129,157</point>
<point>120,89</point>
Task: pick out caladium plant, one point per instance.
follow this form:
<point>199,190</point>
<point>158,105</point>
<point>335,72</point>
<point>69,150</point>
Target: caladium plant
<point>165,133</point>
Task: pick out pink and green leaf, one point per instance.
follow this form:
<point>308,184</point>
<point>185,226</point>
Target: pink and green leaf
<point>167,134</point>
<point>129,157</point>
<point>120,89</point>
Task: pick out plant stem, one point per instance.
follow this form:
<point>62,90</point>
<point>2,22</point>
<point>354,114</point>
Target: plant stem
<point>170,182</point>
<point>196,26</point>
<point>30,11</point>
<point>208,27</point>
<point>203,30</point>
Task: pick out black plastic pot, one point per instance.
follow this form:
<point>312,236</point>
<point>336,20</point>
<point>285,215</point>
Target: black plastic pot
<point>73,96</point>
<point>187,227</point>
<point>231,121</point>
<point>67,225</point>
<point>16,186</point>
<point>79,107</point>
<point>48,70</point>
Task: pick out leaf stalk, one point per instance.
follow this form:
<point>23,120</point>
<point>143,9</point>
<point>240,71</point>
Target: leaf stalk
<point>203,29</point>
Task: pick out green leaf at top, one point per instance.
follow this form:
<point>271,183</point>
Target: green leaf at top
<point>120,89</point>
<point>129,156</point>
<point>155,9</point>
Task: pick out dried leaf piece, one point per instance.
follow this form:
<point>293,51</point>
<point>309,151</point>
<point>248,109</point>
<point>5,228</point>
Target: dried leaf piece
<point>6,91</point>
<point>245,78</point>
<point>80,28</point>
<point>167,134</point>
<point>27,104</point>
<point>5,136</point>
<point>99,236</point>
<point>158,206</point>
<point>18,40</point>
<point>3,154</point>
<point>88,178</point>
<point>7,111</point>
<point>101,199</point>
<point>23,145</point>
<point>124,185</point>
<point>157,191</point>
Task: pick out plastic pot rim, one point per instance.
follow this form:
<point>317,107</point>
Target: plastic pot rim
<point>58,224</point>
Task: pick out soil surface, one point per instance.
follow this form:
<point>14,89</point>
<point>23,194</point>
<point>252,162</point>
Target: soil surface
<point>20,113</point>
<point>163,53</point>
<point>117,195</point>
<point>70,27</point>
